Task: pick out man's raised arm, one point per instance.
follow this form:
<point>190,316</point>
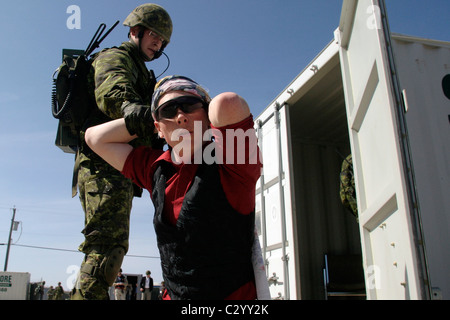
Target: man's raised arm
<point>110,141</point>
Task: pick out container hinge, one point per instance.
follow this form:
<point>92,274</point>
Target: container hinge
<point>279,297</point>
<point>273,280</point>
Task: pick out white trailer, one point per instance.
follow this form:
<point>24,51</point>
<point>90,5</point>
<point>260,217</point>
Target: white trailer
<point>14,285</point>
<point>384,98</point>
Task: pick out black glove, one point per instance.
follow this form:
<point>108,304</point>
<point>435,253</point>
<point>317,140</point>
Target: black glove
<point>138,119</point>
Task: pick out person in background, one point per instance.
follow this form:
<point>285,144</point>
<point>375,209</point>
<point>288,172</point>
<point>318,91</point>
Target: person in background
<point>59,292</point>
<point>146,286</point>
<point>40,290</point>
<point>120,286</point>
<point>51,293</point>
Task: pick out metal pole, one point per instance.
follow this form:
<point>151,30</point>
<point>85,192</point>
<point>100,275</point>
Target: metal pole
<point>9,239</point>
<point>263,204</point>
<point>285,257</point>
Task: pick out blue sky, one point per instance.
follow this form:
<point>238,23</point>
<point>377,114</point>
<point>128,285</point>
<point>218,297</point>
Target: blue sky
<point>252,47</point>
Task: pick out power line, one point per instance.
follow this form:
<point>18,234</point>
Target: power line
<point>69,250</point>
<point>46,248</point>
<point>59,249</point>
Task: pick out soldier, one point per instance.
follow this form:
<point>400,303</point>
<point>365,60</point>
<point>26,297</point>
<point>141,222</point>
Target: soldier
<point>123,87</point>
<point>59,292</point>
<point>347,189</point>
<point>51,293</point>
<point>39,291</point>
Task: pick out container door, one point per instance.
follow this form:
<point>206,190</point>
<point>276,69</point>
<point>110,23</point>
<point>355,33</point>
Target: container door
<point>273,204</point>
<point>390,235</point>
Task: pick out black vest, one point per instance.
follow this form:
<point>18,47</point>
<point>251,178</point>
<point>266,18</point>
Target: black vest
<point>207,254</point>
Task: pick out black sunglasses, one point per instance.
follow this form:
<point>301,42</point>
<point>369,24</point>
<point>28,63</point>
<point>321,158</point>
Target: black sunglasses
<point>187,104</point>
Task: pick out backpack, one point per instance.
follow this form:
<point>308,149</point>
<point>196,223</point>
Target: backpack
<point>71,100</point>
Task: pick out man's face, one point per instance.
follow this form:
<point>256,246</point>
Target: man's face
<point>151,42</point>
<point>169,129</point>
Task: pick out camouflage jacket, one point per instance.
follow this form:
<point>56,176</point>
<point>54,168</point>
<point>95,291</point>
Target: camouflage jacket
<point>121,75</point>
<point>347,189</point>
<point>118,74</point>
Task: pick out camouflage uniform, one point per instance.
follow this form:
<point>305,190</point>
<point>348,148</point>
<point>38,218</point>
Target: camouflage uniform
<point>51,293</point>
<point>118,75</point>
<point>59,292</point>
<point>347,186</point>
<point>122,86</point>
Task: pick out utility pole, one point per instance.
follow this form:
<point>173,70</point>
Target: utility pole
<point>9,239</point>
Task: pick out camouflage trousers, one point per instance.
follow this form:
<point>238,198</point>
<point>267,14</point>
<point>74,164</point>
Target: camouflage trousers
<point>347,189</point>
<point>106,197</point>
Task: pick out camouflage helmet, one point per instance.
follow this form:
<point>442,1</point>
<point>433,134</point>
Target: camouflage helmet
<point>151,16</point>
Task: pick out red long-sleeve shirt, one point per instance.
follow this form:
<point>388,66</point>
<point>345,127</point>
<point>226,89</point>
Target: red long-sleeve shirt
<point>238,176</point>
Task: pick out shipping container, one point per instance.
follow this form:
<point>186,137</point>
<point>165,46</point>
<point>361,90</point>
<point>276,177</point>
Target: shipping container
<point>384,99</point>
<point>14,285</point>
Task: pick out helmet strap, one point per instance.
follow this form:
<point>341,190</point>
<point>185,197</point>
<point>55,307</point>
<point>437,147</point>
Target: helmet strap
<point>141,33</point>
<point>160,51</point>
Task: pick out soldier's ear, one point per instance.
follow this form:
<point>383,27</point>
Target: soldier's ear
<point>134,31</point>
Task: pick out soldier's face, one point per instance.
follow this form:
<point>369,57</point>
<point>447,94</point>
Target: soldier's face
<point>150,42</point>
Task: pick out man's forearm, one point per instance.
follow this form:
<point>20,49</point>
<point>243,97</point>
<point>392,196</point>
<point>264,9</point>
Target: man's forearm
<point>110,141</point>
